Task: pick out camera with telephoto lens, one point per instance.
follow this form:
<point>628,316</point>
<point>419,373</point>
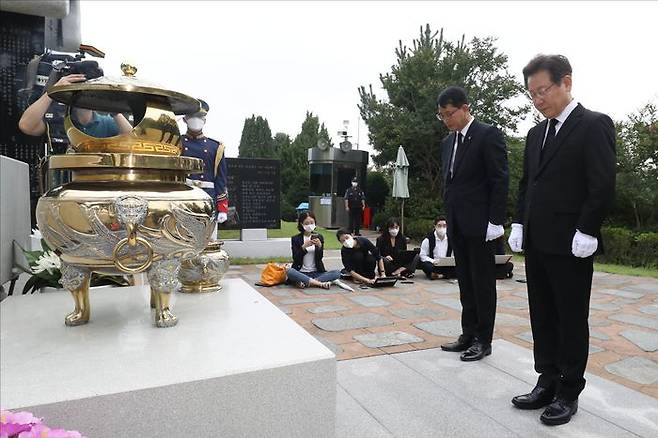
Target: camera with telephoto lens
<point>90,69</point>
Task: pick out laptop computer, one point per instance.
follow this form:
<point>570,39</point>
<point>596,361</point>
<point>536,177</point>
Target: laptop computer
<point>385,282</point>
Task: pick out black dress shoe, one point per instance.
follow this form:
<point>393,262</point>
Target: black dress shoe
<point>462,344</point>
<point>476,352</point>
<point>537,398</point>
<point>559,412</point>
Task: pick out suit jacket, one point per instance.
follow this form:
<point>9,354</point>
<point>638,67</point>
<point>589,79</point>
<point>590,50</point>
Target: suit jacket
<point>572,186</point>
<point>298,252</point>
<point>477,192</point>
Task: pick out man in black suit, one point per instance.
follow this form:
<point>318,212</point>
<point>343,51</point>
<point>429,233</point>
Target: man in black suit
<point>566,191</point>
<point>474,161</point>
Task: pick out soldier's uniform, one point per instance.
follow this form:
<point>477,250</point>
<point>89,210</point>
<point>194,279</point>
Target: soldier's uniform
<point>213,178</point>
<point>355,198</point>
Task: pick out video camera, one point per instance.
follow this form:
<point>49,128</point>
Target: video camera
<point>46,69</point>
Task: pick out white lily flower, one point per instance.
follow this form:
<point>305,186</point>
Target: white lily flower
<point>47,262</point>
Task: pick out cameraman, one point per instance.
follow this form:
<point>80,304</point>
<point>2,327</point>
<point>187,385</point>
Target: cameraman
<point>91,123</point>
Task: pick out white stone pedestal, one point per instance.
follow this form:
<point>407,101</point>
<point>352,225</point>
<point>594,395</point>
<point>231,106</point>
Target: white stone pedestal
<point>235,365</point>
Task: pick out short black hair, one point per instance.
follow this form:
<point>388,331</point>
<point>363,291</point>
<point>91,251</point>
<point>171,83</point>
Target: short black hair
<point>341,232</point>
<point>557,66</point>
<point>439,219</point>
<point>302,217</point>
<point>455,96</point>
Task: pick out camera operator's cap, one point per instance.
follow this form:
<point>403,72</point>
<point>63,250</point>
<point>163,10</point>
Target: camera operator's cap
<point>203,109</point>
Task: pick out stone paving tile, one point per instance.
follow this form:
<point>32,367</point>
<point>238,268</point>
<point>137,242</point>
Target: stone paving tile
<point>416,312</point>
<point>286,310</point>
<point>593,322</point>
<point>637,369</point>
<point>599,335</point>
<point>327,308</point>
<point>361,320</point>
<point>413,300</point>
<point>282,293</point>
<point>443,289</point>
<point>643,287</point>
<point>369,301</point>
<point>304,300</point>
<point>446,328</point>
<point>388,339</point>
<point>621,293</point>
<point>452,303</point>
<point>645,340</point>
<point>637,320</point>
<point>513,304</point>
<point>336,349</point>
<point>319,291</point>
<point>608,307</point>
<point>525,336</point>
<point>595,349</point>
<point>651,309</point>
<point>506,319</point>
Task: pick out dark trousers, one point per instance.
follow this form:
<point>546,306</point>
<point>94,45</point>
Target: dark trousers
<point>476,274</point>
<point>408,262</point>
<point>355,219</point>
<point>559,289</point>
<point>364,265</point>
<point>447,271</point>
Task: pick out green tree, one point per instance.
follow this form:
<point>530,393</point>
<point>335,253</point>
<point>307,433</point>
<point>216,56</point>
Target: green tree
<point>256,140</point>
<point>407,116</point>
<point>637,168</point>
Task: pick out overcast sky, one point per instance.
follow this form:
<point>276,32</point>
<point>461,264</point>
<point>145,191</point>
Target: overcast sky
<point>280,59</point>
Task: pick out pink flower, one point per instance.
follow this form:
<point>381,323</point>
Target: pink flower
<point>43,431</point>
<point>18,417</point>
<point>11,429</point>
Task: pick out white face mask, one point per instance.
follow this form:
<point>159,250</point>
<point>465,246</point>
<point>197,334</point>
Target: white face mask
<point>349,242</point>
<point>195,123</point>
<point>309,228</point>
<point>354,184</point>
<point>393,231</point>
<point>440,231</point>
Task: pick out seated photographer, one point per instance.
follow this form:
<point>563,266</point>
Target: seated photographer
<point>392,247</point>
<point>307,267</point>
<point>91,123</point>
<point>360,257</point>
<point>503,270</point>
<point>434,246</point>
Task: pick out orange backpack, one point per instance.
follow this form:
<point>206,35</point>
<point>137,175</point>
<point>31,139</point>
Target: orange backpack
<point>273,274</point>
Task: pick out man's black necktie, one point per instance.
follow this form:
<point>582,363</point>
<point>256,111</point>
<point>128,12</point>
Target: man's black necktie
<point>460,140</point>
<point>550,138</point>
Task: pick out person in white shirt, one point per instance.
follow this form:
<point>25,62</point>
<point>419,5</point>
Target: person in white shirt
<point>433,247</point>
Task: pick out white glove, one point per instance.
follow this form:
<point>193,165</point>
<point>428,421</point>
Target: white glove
<point>584,245</point>
<point>494,231</point>
<point>221,217</point>
<point>515,240</point>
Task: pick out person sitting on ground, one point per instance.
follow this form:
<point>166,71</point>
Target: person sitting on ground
<point>360,257</point>
<point>503,270</point>
<point>392,246</point>
<point>307,249</point>
<point>433,247</point>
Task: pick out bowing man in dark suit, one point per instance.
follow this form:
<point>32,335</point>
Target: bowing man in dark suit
<point>565,193</point>
<point>474,160</point>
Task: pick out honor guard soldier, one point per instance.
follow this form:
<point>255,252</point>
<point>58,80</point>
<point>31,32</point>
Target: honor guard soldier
<point>355,203</point>
<point>197,145</point>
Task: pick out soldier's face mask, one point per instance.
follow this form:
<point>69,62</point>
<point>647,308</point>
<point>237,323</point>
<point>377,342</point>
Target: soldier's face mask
<point>195,123</point>
<point>354,183</point>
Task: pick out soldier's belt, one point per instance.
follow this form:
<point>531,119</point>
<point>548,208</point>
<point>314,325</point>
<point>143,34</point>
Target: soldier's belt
<point>202,184</point>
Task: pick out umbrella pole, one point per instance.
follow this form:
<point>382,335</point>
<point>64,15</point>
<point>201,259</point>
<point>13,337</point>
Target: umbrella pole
<point>402,218</point>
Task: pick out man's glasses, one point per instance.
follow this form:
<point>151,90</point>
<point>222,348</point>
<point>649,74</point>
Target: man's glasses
<point>444,117</point>
<point>540,93</point>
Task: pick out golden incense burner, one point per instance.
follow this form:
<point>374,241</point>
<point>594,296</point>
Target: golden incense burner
<point>127,209</point>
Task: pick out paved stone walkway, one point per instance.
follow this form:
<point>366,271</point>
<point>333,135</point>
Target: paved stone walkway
<point>422,315</point>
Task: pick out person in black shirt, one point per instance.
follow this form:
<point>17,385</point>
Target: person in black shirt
<point>392,247</point>
<point>355,203</point>
<point>360,257</point>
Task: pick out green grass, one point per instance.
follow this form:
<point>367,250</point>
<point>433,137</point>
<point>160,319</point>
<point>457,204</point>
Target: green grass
<point>633,271</point>
<point>258,260</point>
<point>288,229</point>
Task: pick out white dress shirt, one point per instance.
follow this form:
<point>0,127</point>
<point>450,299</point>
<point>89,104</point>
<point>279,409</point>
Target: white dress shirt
<point>561,118</point>
<point>440,249</point>
<point>308,263</point>
<point>464,130</point>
